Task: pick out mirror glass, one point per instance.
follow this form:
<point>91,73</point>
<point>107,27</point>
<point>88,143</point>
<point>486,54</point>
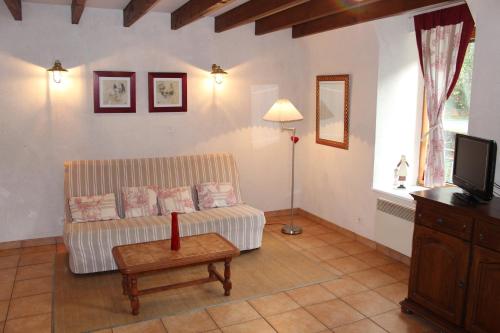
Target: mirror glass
<point>332,110</point>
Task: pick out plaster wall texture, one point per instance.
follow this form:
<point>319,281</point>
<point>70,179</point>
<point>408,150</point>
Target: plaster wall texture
<point>42,124</point>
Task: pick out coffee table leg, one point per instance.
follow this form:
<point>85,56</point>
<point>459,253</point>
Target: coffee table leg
<point>133,295</point>
<point>227,277</point>
<point>211,269</point>
<point>125,284</point>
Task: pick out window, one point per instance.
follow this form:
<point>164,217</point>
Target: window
<point>455,116</point>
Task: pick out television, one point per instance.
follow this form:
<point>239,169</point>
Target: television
<point>474,167</point>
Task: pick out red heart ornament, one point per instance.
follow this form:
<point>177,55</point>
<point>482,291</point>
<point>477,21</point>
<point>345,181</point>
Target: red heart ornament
<point>294,139</point>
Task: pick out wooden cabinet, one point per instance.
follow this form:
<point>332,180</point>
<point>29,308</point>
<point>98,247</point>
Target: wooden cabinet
<point>483,313</point>
<point>455,265</point>
<point>447,257</point>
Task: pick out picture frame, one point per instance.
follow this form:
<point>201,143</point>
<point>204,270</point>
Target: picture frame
<point>114,92</point>
<point>332,110</point>
<point>167,92</point>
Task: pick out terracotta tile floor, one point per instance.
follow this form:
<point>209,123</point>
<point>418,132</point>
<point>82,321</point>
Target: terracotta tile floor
<point>363,299</point>
<point>26,285</point>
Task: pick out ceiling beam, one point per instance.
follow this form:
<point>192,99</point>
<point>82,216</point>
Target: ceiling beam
<point>305,12</point>
<point>15,9</point>
<point>77,7</point>
<point>194,10</point>
<point>135,10</point>
<point>369,12</point>
<point>250,11</point>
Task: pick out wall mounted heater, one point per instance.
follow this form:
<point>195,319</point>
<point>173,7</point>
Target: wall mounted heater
<point>394,225</point>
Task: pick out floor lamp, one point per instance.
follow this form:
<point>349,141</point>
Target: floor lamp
<point>284,111</point>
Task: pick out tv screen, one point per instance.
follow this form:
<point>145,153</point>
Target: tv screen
<point>474,165</point>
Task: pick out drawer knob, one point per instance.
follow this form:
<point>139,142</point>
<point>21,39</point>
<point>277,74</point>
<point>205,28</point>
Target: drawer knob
<point>461,284</point>
<point>464,226</point>
<point>439,221</point>
<point>481,237</point>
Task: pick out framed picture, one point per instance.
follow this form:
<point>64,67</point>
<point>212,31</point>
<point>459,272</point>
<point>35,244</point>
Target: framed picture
<point>167,92</point>
<point>114,92</point>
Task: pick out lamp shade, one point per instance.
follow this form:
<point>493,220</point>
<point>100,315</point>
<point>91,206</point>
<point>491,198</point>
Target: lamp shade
<point>283,110</point>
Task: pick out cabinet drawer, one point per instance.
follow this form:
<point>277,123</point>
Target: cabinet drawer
<point>452,223</point>
<point>487,235</point>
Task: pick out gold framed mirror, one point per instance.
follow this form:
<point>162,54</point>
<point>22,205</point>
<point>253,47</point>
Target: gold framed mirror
<point>332,110</point>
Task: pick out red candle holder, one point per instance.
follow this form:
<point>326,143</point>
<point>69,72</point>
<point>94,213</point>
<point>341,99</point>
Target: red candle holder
<point>175,241</point>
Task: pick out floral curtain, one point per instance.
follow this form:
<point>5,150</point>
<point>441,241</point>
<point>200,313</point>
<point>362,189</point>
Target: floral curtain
<point>442,39</point>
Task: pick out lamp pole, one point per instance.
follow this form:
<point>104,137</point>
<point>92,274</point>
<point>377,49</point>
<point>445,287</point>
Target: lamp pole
<point>291,229</point>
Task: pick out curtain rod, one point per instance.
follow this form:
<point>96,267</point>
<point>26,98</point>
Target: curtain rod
<point>432,8</point>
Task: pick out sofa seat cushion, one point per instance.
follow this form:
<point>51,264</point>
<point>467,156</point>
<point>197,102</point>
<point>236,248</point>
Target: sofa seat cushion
<point>90,243</point>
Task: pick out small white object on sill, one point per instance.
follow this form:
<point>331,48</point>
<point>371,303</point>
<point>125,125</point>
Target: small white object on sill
<point>400,173</point>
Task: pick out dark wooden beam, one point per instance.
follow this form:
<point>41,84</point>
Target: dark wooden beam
<point>305,12</point>
<point>77,7</point>
<point>194,10</point>
<point>135,10</point>
<point>250,11</point>
<point>15,9</point>
<point>370,12</point>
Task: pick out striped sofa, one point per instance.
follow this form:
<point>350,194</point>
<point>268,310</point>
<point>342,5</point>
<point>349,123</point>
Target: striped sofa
<point>89,244</point>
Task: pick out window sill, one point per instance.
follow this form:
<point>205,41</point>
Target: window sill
<point>401,194</point>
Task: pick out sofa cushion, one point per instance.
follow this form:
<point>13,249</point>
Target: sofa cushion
<point>213,195</point>
<point>93,208</point>
<point>177,199</point>
<point>140,201</point>
<point>90,244</point>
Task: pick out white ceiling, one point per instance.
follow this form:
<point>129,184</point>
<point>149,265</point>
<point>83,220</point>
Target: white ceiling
<point>162,5</point>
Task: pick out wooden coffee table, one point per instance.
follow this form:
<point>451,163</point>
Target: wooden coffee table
<point>139,259</point>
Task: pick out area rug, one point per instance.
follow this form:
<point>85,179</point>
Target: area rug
<point>84,303</point>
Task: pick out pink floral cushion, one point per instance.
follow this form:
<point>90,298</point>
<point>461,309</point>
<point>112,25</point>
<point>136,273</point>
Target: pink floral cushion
<point>93,208</point>
<point>177,199</point>
<point>212,195</point>
<point>140,201</point>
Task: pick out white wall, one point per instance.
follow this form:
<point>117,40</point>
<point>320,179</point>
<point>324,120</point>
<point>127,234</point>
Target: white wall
<point>381,59</point>
<point>42,124</point>
<point>399,101</point>
<point>337,183</point>
<point>485,98</point>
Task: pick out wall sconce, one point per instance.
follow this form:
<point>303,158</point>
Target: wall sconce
<point>57,70</point>
<point>218,73</point>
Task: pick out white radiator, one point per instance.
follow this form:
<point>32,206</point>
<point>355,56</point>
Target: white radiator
<point>394,225</point>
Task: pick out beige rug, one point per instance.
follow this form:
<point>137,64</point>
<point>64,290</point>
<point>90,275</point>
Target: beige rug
<point>88,302</point>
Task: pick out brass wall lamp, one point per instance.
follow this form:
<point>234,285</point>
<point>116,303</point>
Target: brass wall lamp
<point>218,73</point>
<point>57,69</point>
